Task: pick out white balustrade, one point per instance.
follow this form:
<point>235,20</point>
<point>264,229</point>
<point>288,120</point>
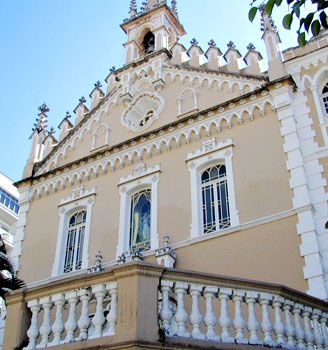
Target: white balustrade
<point>66,317</point>
<point>243,316</point>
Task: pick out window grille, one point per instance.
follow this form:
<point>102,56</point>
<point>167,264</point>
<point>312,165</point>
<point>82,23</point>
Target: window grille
<point>140,220</point>
<point>74,243</point>
<point>215,199</point>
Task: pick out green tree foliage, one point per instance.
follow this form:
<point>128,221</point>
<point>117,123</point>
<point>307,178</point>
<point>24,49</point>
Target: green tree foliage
<point>8,279</point>
<point>308,22</point>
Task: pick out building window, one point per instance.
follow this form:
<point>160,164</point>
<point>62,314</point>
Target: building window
<point>149,43</point>
<point>74,242</point>
<point>9,201</point>
<point>140,220</point>
<point>215,200</point>
<point>213,203</point>
<point>74,228</point>
<point>138,210</point>
<point>324,96</point>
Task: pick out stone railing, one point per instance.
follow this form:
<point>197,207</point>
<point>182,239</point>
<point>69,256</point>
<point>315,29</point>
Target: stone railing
<point>75,315</point>
<point>140,305</point>
<point>249,314</point>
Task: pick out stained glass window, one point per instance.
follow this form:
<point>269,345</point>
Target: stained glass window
<point>140,220</point>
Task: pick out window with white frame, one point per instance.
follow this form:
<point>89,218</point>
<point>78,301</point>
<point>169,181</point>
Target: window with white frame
<point>74,241</point>
<point>138,218</point>
<point>213,204</point>
<point>73,232</point>
<point>324,97</point>
<point>215,199</point>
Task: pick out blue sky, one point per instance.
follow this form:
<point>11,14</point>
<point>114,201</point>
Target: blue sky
<point>53,51</point>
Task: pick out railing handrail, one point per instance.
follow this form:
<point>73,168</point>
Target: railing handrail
<point>222,281</point>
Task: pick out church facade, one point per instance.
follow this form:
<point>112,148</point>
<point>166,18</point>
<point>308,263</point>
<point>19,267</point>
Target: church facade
<point>187,205</point>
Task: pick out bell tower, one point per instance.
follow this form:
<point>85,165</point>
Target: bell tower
<point>154,27</point>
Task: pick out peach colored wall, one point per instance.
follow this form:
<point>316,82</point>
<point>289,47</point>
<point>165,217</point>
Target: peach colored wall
<point>261,185</point>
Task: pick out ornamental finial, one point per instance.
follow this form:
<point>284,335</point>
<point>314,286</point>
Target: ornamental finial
<point>212,43</point>
<point>42,119</point>
<point>98,84</point>
<point>82,99</point>
<point>231,45</point>
<point>267,23</point>
<point>174,7</point>
<point>133,8</point>
<point>251,47</point>
<point>194,41</point>
<point>68,115</point>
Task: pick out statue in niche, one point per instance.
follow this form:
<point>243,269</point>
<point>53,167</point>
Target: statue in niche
<point>149,43</point>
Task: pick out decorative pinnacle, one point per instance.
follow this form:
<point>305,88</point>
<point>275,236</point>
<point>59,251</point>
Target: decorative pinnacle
<point>212,43</point>
<point>68,115</point>
<point>231,45</point>
<point>82,100</point>
<point>267,23</point>
<point>250,47</point>
<point>112,70</point>
<point>98,84</point>
<point>133,8</point>
<point>44,108</point>
<point>194,42</point>
<point>51,131</point>
<point>174,7</point>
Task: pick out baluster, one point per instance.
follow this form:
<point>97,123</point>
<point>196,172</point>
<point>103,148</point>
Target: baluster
<point>225,322</point>
<point>290,331</point>
<point>298,326</point>
<point>45,328</point>
<point>309,337</point>
<point>279,327</point>
<point>98,319</point>
<point>166,313</point>
<point>252,324</point>
<point>210,319</point>
<point>84,320</point>
<point>195,316</point>
<point>181,316</point>
<point>33,330</point>
<point>323,322</point>
<point>58,325</point>
<point>266,324</point>
<point>239,322</point>
<point>112,314</point>
<point>318,338</point>
<point>71,324</point>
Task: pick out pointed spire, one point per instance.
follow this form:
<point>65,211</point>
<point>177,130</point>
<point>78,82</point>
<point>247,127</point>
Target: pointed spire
<point>174,7</point>
<point>267,23</point>
<point>133,8</point>
<point>42,119</point>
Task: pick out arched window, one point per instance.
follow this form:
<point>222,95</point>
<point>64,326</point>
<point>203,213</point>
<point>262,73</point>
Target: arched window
<point>215,200</point>
<point>140,220</point>
<point>149,43</point>
<point>324,96</point>
<point>74,242</point>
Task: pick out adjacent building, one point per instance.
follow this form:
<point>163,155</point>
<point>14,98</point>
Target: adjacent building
<point>9,208</point>
<point>186,206</point>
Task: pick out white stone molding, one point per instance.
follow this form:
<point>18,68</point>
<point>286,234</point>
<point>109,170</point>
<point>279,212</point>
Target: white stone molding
<point>296,130</point>
<point>182,134</point>
<point>136,117</point>
<point>210,154</point>
<point>142,178</point>
<point>80,199</point>
<point>181,100</point>
<point>96,135</point>
<point>24,205</point>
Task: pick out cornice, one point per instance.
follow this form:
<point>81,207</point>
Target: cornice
<point>125,151</point>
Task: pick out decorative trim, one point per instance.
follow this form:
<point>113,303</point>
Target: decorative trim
<point>78,200</point>
<point>179,133</point>
<point>210,154</point>
<point>129,185</point>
